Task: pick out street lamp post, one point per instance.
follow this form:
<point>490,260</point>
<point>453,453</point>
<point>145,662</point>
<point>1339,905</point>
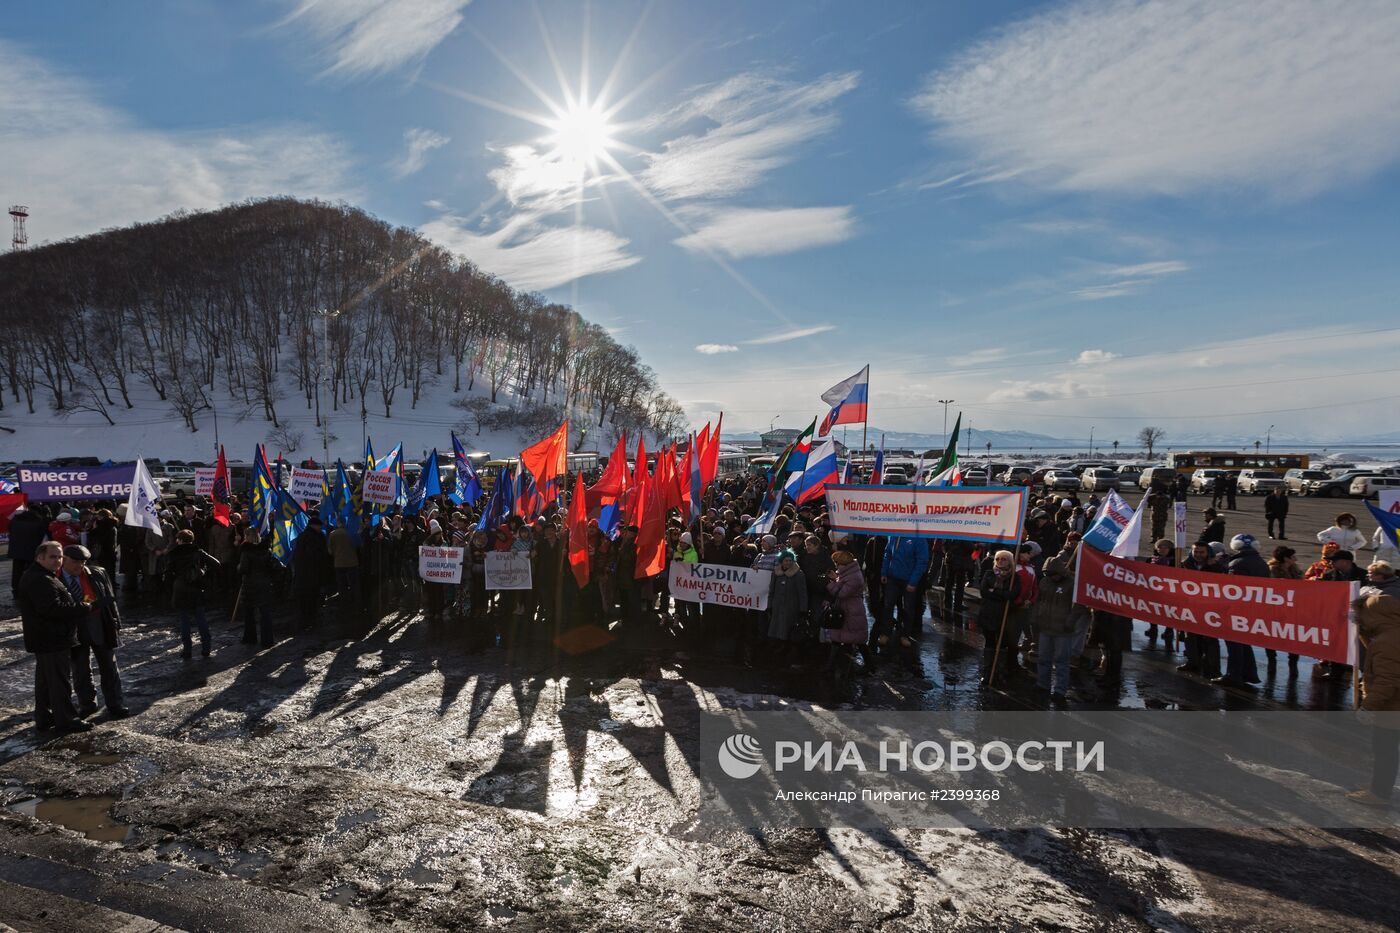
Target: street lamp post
<point>773,422</point>
<point>945,402</point>
<point>1268,436</point>
<point>1091,442</point>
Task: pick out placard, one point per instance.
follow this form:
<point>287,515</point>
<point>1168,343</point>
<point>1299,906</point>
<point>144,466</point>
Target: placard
<point>720,585</point>
<point>70,484</point>
<point>1180,508</point>
<point>306,485</point>
<point>204,481</point>
<point>508,570</point>
<point>379,488</point>
<point>440,564</point>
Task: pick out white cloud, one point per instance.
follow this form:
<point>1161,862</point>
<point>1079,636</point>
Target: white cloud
<point>794,334</point>
<point>741,231</point>
<point>709,349</point>
<point>1171,96</point>
<point>1147,268</point>
<point>1094,357</point>
<point>754,124</point>
<point>530,255</point>
<point>1111,290</point>
<point>418,143</point>
<point>81,165</point>
<point>371,37</point>
<point>1026,391</point>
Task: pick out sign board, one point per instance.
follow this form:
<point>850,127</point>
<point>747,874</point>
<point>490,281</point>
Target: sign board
<point>204,481</point>
<point>1307,617</point>
<point>718,585</point>
<point>66,483</point>
<point>508,570</point>
<point>380,488</point>
<point>1389,501</point>
<point>995,515</point>
<point>306,485</point>
<point>1180,524</point>
<point>440,564</point>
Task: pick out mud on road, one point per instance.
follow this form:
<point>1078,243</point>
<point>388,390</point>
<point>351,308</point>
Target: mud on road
<point>370,776</point>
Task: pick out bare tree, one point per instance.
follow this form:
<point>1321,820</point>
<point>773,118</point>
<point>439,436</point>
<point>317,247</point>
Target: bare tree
<point>1149,437</point>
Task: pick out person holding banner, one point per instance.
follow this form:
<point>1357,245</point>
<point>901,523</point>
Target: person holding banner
<point>999,587</point>
<point>1284,566</point>
<point>1240,669</point>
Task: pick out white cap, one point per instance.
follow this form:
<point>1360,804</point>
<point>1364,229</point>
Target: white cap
<point>685,537</point>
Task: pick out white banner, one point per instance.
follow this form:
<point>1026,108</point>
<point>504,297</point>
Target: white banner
<point>440,564</point>
<point>718,585</point>
<point>204,481</point>
<point>507,570</point>
<point>306,485</point>
<point>379,488</point>
<point>1180,524</point>
<point>958,512</point>
<point>1389,500</point>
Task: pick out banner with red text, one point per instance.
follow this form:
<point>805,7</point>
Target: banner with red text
<point>1306,617</point>
<point>993,515</point>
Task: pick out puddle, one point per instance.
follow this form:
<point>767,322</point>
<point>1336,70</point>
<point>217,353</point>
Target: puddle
<point>342,894</point>
<point>423,876</point>
<point>90,758</point>
<point>91,816</point>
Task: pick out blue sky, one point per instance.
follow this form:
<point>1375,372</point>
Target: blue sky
<point>1057,214</point>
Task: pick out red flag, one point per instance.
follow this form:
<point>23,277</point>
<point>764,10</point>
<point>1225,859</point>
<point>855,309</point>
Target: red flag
<point>651,538</point>
<point>549,458</point>
<point>220,492</point>
<point>709,467</point>
<point>614,479</point>
<point>10,503</point>
<point>578,533</point>
<point>639,468</point>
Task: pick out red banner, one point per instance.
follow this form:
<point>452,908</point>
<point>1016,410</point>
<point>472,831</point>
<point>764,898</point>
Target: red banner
<point>1305,617</point>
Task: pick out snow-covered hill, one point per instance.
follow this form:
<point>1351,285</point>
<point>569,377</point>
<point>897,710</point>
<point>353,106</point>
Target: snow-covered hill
<point>152,430</point>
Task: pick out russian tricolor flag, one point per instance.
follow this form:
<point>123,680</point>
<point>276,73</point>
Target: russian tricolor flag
<point>821,469</point>
<point>847,400</point>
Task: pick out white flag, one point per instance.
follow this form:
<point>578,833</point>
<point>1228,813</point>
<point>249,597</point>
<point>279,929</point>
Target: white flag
<point>1130,538</point>
<point>143,505</point>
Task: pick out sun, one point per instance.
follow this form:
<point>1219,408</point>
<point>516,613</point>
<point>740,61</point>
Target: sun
<point>581,136</point>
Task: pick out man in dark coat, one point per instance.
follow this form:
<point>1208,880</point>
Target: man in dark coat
<point>1202,652</point>
<point>1240,668</point>
<point>97,633</point>
<point>311,566</point>
<point>50,620</point>
<point>28,529</point>
<point>1276,510</point>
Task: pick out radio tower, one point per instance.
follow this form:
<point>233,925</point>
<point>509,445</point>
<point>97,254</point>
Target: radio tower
<point>20,239</point>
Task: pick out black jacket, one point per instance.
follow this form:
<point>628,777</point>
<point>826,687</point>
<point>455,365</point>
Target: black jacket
<point>1275,506</point>
<point>49,612</point>
<point>1249,563</point>
<point>28,530</point>
<point>311,562</point>
<point>102,630</point>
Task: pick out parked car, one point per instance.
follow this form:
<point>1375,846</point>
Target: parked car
<point>1203,480</point>
<point>1369,487</point>
<point>1259,482</point>
<point>1157,474</point>
<point>895,478</point>
<point>1337,486</point>
<point>1017,476</point>
<point>1098,479</point>
<point>977,476</point>
<point>1296,480</point>
<point>1128,475</point>
<point>1061,480</point>
<point>180,485</point>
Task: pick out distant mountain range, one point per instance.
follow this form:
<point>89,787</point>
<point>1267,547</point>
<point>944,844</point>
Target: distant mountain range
<point>1023,441</point>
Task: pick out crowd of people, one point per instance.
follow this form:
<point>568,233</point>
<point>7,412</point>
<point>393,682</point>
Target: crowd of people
<point>842,606</point>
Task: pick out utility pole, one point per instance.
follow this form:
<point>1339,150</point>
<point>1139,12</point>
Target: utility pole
<point>1091,442</point>
<point>1268,436</point>
<point>945,402</point>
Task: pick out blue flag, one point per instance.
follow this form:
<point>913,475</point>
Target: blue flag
<point>467,489</point>
<point>429,484</point>
<point>499,505</point>
<point>288,522</point>
<point>1390,524</point>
